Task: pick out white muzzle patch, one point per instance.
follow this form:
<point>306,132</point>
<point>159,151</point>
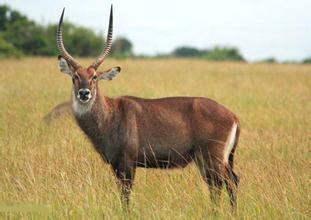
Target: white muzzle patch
<point>84,95</point>
<point>83,102</point>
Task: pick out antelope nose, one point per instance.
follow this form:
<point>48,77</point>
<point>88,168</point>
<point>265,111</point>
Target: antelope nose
<point>84,94</point>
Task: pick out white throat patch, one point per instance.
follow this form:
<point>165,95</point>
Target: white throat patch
<point>82,108</point>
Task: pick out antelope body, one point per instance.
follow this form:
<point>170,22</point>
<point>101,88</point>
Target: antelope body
<point>130,132</point>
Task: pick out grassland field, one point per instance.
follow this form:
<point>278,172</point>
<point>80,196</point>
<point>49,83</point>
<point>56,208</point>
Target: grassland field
<point>52,171</point>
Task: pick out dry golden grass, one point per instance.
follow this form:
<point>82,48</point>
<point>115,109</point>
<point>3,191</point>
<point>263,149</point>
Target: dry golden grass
<point>53,171</point>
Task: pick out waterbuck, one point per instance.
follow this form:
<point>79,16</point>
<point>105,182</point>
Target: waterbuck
<point>130,132</point>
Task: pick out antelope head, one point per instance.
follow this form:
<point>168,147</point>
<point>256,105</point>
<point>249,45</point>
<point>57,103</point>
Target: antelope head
<point>85,80</point>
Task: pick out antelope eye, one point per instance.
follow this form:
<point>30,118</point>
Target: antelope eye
<point>75,77</point>
<point>94,77</point>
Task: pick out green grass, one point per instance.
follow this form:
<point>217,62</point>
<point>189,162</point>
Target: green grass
<point>53,171</point>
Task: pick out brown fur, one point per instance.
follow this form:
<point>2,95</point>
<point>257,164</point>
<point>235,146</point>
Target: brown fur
<point>130,132</point>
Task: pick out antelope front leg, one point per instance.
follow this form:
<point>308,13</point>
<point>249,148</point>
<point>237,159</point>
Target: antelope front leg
<point>125,173</point>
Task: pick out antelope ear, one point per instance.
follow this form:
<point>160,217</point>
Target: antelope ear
<point>109,74</point>
<point>64,66</point>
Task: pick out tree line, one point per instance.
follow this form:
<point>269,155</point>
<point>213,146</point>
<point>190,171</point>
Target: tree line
<point>21,36</point>
<point>216,53</point>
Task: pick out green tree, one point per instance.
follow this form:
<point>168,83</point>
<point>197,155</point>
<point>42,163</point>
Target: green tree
<point>81,41</point>
<point>121,48</point>
<point>33,39</point>
<point>268,60</point>
<point>3,17</point>
<point>186,51</point>
<point>8,50</point>
<point>307,61</point>
<point>223,53</point>
<point>26,36</point>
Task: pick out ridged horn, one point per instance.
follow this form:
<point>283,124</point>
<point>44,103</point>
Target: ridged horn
<point>60,44</point>
<point>108,44</point>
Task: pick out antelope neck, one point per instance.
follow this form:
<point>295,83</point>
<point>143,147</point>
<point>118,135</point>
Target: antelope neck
<point>97,107</point>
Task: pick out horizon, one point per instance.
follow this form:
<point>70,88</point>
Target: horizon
<point>259,30</point>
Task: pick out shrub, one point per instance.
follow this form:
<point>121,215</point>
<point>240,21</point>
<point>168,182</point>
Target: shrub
<point>8,50</point>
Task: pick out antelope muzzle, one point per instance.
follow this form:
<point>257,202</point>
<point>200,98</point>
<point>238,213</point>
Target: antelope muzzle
<point>84,95</point>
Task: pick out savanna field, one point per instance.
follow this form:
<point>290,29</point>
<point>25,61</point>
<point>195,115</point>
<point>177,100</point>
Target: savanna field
<point>52,171</point>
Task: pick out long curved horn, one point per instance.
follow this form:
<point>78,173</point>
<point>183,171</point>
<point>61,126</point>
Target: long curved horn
<point>108,44</point>
<point>60,44</point>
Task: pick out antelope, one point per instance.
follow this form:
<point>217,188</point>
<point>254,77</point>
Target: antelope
<point>171,132</point>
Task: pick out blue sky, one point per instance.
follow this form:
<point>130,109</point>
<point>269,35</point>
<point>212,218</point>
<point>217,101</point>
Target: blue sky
<point>260,29</point>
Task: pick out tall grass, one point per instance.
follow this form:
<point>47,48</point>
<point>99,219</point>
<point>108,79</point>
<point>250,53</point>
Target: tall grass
<point>53,171</point>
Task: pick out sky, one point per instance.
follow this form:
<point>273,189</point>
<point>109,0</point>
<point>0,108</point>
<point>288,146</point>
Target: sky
<point>259,28</point>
